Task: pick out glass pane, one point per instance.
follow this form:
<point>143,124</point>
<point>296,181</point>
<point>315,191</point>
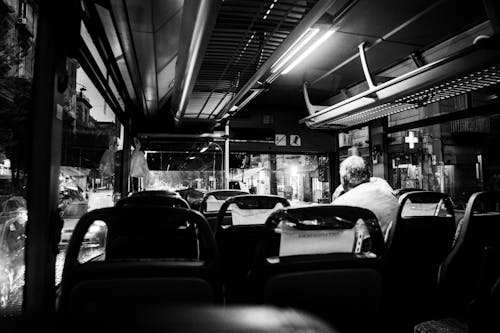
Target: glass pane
<point>457,157</point>
<point>16,73</point>
<point>93,49</point>
<point>114,42</point>
<point>90,163</point>
<point>302,179</point>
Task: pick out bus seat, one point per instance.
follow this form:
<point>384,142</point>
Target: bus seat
<point>212,202</point>
<point>142,278</point>
<point>237,237</point>
<point>475,256</point>
<point>146,236</point>
<point>417,244</point>
<point>338,283</point>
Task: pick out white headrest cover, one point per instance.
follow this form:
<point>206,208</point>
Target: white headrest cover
<point>298,242</point>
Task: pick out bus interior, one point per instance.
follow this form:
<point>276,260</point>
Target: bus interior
<point>180,165</point>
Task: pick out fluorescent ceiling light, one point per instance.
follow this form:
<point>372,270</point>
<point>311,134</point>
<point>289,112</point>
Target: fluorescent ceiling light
<point>296,47</point>
<point>204,149</point>
<point>309,50</point>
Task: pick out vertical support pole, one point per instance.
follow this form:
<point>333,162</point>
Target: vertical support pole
<point>49,84</point>
<point>273,179</point>
<point>125,167</point>
<point>226,156</point>
<point>333,174</point>
<point>378,137</point>
<point>334,166</point>
<point>214,175</point>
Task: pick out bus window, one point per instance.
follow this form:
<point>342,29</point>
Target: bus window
<point>90,162</point>
<point>16,76</point>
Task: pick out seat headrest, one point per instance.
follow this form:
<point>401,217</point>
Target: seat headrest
<point>151,231</point>
<point>425,203</point>
<point>212,201</point>
<point>251,209</point>
<point>164,200</point>
<point>481,222</point>
<point>251,216</point>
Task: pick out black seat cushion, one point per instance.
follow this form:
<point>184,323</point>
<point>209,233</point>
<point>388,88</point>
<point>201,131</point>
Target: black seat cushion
<point>237,243</point>
<point>333,286</point>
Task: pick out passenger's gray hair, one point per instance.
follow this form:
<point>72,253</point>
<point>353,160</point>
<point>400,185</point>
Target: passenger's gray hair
<point>353,171</point>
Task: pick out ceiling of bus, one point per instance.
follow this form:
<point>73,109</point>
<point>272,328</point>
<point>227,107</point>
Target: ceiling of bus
<point>244,36</point>
<point>151,29</point>
<point>393,30</point>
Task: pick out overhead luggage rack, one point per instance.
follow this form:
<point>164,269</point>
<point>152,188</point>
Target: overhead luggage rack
<point>469,70</point>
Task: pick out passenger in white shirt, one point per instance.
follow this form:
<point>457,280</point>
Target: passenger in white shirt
<point>361,190</point>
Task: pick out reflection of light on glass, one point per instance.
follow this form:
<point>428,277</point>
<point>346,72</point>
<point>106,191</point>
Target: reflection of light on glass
<point>294,170</point>
<point>262,176</point>
<point>6,163</point>
<point>94,228</point>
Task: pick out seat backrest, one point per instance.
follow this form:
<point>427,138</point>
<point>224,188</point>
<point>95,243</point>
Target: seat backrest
<point>417,244</point>
<point>237,237</point>
<point>478,237</point>
<point>181,241</point>
<point>422,236</point>
<point>323,259</point>
<point>212,202</point>
<point>153,198</point>
<point>247,210</point>
<point>132,265</point>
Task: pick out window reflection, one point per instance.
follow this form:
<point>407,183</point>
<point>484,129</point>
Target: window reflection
<point>17,40</point>
<point>90,163</point>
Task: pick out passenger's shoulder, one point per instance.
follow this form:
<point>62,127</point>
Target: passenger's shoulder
<point>382,184</point>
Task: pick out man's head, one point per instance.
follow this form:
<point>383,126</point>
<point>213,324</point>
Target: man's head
<point>353,171</point>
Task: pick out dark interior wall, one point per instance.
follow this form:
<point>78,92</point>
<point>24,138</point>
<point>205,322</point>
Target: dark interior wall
<point>250,124</point>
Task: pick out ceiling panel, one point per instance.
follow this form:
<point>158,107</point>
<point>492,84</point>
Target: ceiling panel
<point>245,35</point>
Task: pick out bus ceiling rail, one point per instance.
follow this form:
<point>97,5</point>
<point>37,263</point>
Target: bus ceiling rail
<point>198,20</point>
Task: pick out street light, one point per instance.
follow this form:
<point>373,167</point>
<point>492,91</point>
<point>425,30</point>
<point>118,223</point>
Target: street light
<point>217,146</point>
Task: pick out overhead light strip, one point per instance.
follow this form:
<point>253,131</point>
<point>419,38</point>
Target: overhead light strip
<point>296,47</point>
<point>309,50</point>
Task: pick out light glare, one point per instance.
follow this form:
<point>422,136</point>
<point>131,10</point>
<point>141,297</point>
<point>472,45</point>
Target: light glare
<point>309,51</point>
<point>296,47</point>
